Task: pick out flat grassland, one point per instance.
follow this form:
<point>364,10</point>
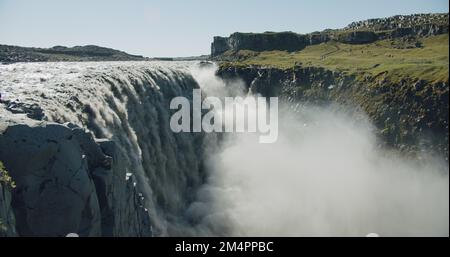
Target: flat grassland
<point>423,58</point>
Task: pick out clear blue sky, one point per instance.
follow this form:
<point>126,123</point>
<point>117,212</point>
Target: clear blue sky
<point>181,27</point>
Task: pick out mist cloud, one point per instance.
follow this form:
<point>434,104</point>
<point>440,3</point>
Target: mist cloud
<point>325,176</point>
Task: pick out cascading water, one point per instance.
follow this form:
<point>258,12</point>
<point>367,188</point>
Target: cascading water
<point>127,103</point>
<point>324,175</point>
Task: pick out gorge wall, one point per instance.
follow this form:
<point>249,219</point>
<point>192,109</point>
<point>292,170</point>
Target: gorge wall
<point>90,150</point>
<point>7,218</point>
<point>411,115</point>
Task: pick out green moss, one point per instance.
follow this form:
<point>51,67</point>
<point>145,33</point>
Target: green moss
<point>5,178</point>
<point>406,102</point>
<point>3,227</point>
<point>7,181</point>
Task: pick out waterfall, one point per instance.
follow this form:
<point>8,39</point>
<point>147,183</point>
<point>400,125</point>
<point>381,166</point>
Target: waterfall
<point>126,102</point>
<point>324,176</point>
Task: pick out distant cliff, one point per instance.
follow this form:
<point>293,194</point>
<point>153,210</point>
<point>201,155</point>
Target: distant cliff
<point>394,69</point>
<point>361,32</point>
<point>267,41</point>
<point>61,53</point>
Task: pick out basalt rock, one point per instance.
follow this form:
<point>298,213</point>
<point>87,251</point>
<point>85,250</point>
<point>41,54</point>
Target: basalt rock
<point>363,32</point>
<point>7,218</point>
<point>357,37</point>
<point>268,41</point>
<point>410,115</point>
<point>65,181</point>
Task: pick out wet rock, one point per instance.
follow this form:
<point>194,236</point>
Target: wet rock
<point>7,218</point>
<point>55,194</point>
<point>67,182</point>
<point>33,111</point>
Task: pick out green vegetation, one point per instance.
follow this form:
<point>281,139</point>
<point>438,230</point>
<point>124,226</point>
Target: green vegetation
<point>5,178</point>
<point>401,83</point>
<point>3,227</point>
<point>422,58</point>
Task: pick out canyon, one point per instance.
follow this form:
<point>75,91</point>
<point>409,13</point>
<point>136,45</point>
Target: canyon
<point>362,137</point>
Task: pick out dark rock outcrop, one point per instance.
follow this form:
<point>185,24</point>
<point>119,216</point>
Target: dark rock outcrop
<point>356,33</point>
<point>268,41</point>
<point>33,111</point>
<point>66,181</point>
<point>219,46</point>
<point>7,218</point>
<point>357,37</point>
<point>55,195</point>
<point>400,21</point>
<point>287,41</point>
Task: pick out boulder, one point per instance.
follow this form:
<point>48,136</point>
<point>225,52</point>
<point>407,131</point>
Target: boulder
<point>55,192</point>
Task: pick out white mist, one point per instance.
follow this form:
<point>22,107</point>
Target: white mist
<point>325,176</point>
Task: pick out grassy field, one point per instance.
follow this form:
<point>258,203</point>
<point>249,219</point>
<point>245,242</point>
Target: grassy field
<point>424,58</point>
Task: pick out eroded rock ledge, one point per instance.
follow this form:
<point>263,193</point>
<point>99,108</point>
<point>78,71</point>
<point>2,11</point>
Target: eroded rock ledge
<point>7,218</point>
<point>66,182</point>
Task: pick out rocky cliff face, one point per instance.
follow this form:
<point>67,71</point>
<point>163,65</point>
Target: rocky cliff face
<point>119,172</point>
<point>55,193</point>
<point>356,33</point>
<point>400,21</point>
<point>68,182</point>
<point>411,115</point>
<point>7,218</point>
<point>267,41</point>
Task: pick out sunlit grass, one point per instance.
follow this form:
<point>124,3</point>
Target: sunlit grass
<point>429,62</point>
